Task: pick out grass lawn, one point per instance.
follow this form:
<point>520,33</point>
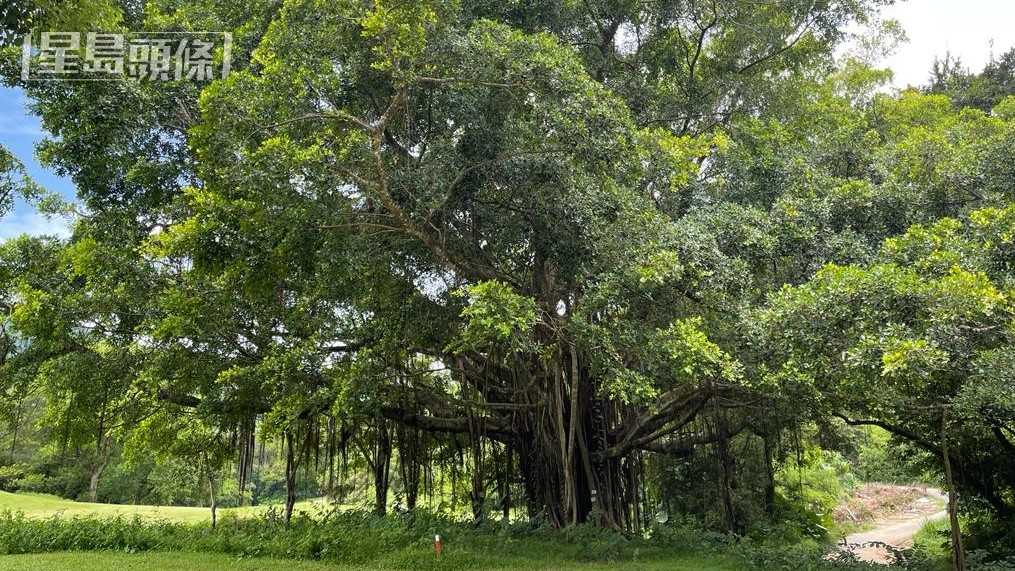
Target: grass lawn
<point>43,506</point>
<point>193,547</point>
<point>102,561</point>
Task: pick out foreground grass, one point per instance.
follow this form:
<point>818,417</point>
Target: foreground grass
<point>102,561</point>
<point>45,506</point>
<point>98,536</point>
<point>340,539</point>
<point>931,544</point>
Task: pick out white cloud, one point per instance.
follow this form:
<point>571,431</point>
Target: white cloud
<point>31,222</point>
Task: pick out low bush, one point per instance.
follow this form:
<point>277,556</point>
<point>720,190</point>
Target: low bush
<point>347,537</point>
<point>405,541</point>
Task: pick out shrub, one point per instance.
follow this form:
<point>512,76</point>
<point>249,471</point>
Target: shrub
<point>596,543</point>
<point>9,476</point>
<point>405,541</point>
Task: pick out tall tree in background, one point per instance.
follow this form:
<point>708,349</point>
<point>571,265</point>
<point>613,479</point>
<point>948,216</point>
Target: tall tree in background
<point>927,327</point>
<point>982,90</point>
<point>77,308</point>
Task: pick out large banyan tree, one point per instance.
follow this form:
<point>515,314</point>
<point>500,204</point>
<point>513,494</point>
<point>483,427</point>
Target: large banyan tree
<point>396,220</point>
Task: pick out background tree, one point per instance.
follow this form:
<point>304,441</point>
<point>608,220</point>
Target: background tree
<point>983,90</point>
<point>890,343</point>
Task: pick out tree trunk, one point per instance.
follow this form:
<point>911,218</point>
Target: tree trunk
<point>769,475</point>
<point>958,554</point>
<point>214,502</point>
<point>555,455</point>
<point>505,495</point>
<point>331,494</point>
<point>409,463</point>
<point>527,465</point>
<point>93,480</point>
<point>382,467</point>
<point>15,428</point>
<point>477,494</point>
<point>290,474</point>
<point>724,467</point>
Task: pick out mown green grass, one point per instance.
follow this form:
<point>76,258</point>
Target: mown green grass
<point>44,506</point>
<point>103,561</point>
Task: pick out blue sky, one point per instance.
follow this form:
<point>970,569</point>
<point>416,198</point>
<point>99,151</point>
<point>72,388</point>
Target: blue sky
<point>965,28</point>
<point>19,132</point>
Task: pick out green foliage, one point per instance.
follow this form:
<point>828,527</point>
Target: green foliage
<point>360,539</point>
<point>816,480</point>
<point>893,341</point>
<point>593,235</point>
<point>497,316</point>
<point>690,356</point>
<point>778,552</point>
<point>19,17</point>
<point>99,561</point>
<point>12,177</point>
<point>398,32</point>
<point>596,543</point>
<point>799,557</point>
<point>882,458</point>
<point>977,560</point>
<point>348,538</point>
<point>984,90</point>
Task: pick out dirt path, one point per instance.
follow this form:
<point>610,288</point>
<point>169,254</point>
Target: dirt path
<point>897,531</point>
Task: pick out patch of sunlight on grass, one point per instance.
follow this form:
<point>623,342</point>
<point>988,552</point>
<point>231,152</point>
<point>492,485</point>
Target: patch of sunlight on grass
<point>43,506</point>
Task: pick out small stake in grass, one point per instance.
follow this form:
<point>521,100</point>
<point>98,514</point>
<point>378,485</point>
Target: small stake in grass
<point>437,543</point>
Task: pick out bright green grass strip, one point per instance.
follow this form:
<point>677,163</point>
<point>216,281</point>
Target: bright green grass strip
<point>44,506</point>
<point>103,561</point>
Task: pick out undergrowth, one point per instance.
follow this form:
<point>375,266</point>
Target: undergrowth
<point>405,541</point>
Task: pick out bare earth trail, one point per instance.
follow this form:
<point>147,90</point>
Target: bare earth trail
<point>897,531</point>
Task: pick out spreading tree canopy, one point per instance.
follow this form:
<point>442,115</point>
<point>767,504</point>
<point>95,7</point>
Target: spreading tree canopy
<point>542,229</point>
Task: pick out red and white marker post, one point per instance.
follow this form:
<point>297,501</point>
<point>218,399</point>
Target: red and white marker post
<point>437,543</point>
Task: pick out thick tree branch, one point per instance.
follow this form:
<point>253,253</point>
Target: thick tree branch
<point>493,427</point>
